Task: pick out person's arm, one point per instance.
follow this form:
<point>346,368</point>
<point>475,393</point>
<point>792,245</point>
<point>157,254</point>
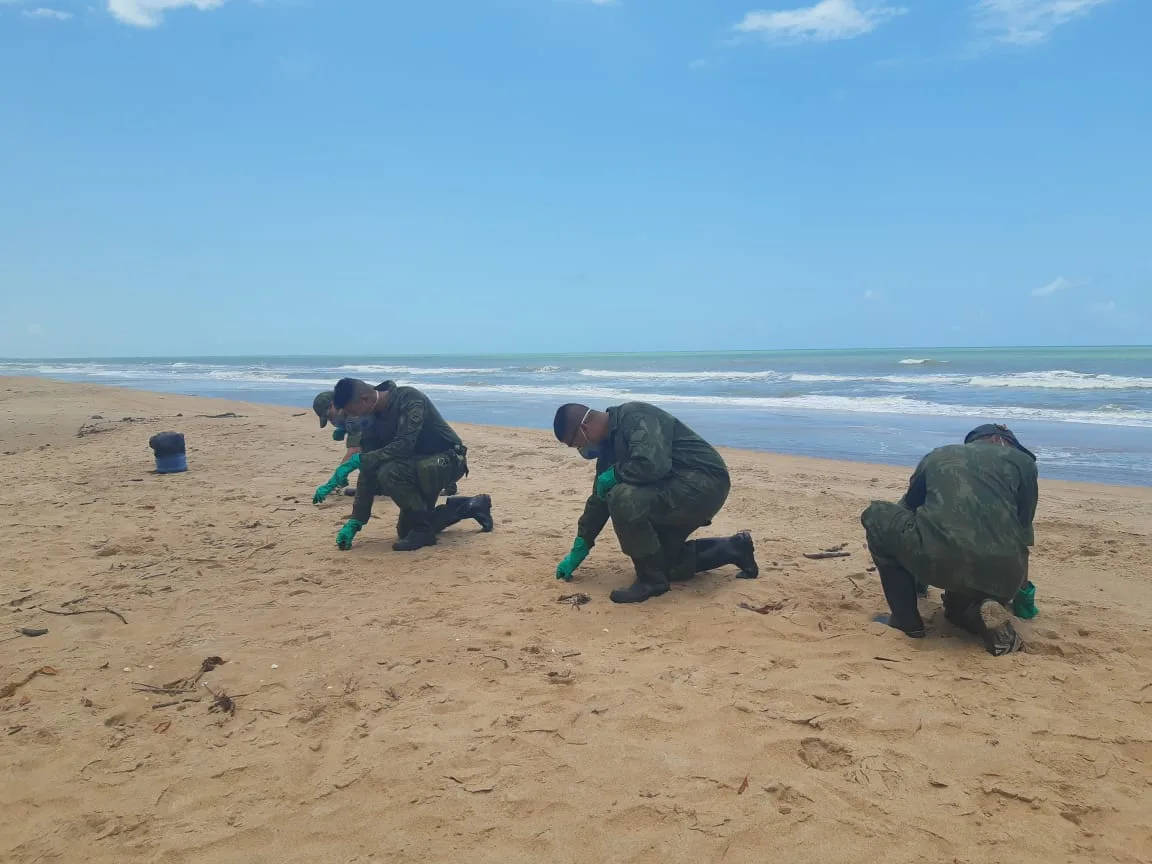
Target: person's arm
<point>1027,498</point>
<point>351,445</point>
<point>408,428</point>
<point>593,520</point>
<point>917,492</point>
<point>365,495</point>
<point>647,456</point>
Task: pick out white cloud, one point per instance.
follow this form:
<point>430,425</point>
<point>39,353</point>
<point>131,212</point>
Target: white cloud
<point>1028,22</point>
<point>827,21</point>
<point>149,13</point>
<point>1106,308</point>
<point>871,295</point>
<point>52,14</point>
<point>35,330</point>
<point>1057,284</point>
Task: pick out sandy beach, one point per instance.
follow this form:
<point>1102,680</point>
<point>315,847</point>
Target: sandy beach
<point>445,706</point>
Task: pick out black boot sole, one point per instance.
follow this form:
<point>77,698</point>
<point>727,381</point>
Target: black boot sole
<point>413,542</point>
<point>746,556</point>
<point>1000,636</point>
<point>637,594</point>
<point>914,632</point>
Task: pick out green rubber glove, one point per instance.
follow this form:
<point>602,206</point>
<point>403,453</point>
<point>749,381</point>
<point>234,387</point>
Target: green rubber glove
<point>339,433</point>
<point>1024,604</point>
<point>344,535</point>
<point>322,492</point>
<point>606,482</point>
<point>572,560</point>
<point>340,475</point>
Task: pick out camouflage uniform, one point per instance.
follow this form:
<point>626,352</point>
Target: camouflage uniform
<point>964,525</point>
<point>672,482</point>
<point>410,454</point>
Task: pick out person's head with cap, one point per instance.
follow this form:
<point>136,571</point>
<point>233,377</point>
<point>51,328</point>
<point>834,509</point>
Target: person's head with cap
<point>324,409</point>
<point>997,433</point>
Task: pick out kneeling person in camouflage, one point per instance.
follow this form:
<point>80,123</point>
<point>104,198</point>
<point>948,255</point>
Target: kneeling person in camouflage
<point>409,454</point>
<point>964,525</point>
<point>658,481</point>
<point>322,406</point>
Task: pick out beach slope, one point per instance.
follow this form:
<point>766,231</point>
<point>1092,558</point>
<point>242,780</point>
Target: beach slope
<point>446,706</point>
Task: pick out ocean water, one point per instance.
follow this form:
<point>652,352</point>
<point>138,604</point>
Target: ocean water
<point>1086,412</point>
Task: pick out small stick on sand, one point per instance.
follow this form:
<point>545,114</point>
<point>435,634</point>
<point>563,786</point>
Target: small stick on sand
<point>104,611</point>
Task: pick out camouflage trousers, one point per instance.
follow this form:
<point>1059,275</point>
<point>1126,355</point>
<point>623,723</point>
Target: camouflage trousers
<point>896,544</point>
<point>414,485</point>
<point>653,522</point>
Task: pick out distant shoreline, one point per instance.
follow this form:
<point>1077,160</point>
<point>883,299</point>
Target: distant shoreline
<point>568,355</point>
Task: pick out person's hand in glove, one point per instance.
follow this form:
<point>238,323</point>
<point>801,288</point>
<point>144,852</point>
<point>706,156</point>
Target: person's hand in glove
<point>344,535</point>
<point>605,483</point>
<point>339,433</point>
<point>1024,604</point>
<point>572,560</point>
<point>338,480</point>
<point>341,474</point>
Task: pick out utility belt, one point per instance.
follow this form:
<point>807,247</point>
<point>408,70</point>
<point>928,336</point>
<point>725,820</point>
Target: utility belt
<point>460,452</point>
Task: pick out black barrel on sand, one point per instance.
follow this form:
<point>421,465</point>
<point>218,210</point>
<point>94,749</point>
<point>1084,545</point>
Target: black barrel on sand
<point>171,457</point>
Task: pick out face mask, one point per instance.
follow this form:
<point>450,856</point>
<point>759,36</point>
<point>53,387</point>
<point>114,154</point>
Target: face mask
<point>588,451</point>
<point>352,424</point>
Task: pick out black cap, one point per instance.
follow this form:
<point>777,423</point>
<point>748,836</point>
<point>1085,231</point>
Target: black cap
<point>992,430</point>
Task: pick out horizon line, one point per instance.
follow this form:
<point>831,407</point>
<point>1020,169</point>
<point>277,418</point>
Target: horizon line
<point>898,348</point>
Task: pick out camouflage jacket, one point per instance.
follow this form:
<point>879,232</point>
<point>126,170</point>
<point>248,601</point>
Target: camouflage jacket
<point>408,428</point>
<point>974,506</point>
<point>645,445</point>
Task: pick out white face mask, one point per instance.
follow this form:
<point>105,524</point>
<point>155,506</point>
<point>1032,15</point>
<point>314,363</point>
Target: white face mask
<point>588,451</point>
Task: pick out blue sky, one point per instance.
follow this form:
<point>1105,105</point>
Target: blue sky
<point>335,176</point>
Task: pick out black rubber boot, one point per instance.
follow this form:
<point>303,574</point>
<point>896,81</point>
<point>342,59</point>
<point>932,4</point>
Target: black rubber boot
<point>651,581</point>
<point>478,507</point>
<point>449,513</point>
<point>912,630</point>
<point>719,552</point>
<point>900,592</point>
<point>963,612</point>
<point>420,534</point>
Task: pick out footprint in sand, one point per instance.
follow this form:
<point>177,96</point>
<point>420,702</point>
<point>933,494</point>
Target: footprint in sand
<point>824,755</point>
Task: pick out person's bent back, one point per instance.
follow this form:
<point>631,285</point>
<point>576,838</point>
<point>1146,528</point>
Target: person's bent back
<point>964,525</point>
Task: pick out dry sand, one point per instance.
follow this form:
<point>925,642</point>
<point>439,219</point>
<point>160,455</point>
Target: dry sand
<point>443,706</point>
